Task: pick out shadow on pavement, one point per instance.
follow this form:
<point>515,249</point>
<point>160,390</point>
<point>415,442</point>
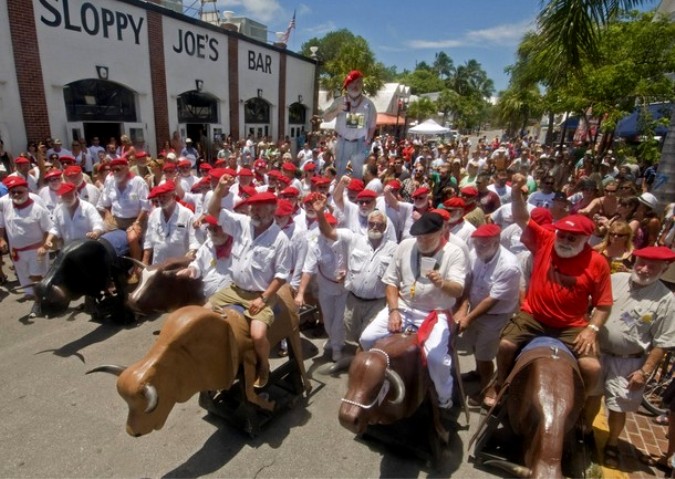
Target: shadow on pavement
<point>100,334</point>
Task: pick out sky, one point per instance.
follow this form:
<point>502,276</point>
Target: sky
<point>403,33</point>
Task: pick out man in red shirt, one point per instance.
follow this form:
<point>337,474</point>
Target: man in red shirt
<point>566,274</point>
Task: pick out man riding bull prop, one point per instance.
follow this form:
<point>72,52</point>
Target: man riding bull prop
<point>566,273</point>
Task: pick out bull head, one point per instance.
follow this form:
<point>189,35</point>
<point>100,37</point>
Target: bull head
<point>52,299</point>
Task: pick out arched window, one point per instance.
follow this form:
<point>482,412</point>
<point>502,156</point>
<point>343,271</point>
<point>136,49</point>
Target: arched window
<point>99,100</point>
<point>197,107</point>
<point>256,110</point>
<point>297,114</point>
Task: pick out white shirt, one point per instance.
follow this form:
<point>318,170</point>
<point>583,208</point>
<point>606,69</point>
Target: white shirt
<point>298,248</point>
<point>504,193</point>
<point>215,272</point>
<point>30,179</point>
<point>510,239</point>
<point>367,265</point>
<point>126,203</point>
<point>498,279</point>
<point>419,293</point>
<point>170,238</point>
<point>463,231</point>
<point>503,216</point>
<point>539,199</point>
<point>359,224</point>
<point>256,261</point>
<point>401,219</point>
<point>327,260</point>
<point>89,193</point>
<point>187,182</point>
<point>25,226</point>
<point>227,202</point>
<point>362,116</point>
<point>49,198</point>
<point>70,228</point>
<point>93,156</point>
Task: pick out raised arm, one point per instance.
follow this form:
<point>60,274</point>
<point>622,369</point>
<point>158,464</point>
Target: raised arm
<point>521,215</point>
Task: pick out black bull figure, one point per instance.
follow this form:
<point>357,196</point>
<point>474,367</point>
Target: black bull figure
<point>543,398</point>
<point>85,268</point>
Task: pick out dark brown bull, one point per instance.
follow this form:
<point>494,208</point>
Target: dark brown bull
<point>199,350</point>
<point>386,384</point>
<point>544,397</point>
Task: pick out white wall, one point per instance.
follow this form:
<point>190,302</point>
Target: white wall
<point>73,43</point>
<point>192,53</point>
<point>259,69</point>
<point>12,130</point>
<point>299,81</point>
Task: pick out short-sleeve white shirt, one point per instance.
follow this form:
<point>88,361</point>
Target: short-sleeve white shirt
<point>499,279</point>
<point>70,228</point>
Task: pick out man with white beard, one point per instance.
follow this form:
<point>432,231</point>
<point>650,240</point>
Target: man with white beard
<point>566,273</point>
<point>492,299</point>
<point>633,341</point>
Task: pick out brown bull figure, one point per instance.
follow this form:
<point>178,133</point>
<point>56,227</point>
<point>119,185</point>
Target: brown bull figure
<point>199,350</point>
<point>386,384</point>
<point>544,397</point>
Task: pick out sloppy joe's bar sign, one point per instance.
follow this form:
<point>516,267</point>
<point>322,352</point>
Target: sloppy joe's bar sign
<point>91,19</point>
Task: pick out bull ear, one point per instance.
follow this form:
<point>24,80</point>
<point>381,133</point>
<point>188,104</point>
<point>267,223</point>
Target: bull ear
<point>108,368</point>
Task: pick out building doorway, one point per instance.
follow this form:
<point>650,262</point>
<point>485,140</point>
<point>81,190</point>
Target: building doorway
<point>104,131</point>
<point>257,118</point>
<point>199,134</point>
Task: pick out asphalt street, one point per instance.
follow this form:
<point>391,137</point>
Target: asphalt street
<point>58,422</point>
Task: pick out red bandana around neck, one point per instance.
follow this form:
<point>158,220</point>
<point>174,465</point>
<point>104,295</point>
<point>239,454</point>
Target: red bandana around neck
<point>224,250</point>
<point>28,202</point>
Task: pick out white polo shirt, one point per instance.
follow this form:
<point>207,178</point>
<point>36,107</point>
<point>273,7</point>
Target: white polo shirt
<point>256,261</point>
<point>498,279</point>
<point>70,228</point>
<point>126,203</point>
<point>170,238</point>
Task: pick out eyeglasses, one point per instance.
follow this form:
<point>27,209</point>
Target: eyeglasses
<point>569,237</point>
<point>618,235</point>
<point>17,191</point>
<point>379,226</point>
<point>549,183</point>
<point>364,202</point>
<point>54,180</point>
<point>610,191</point>
<point>117,170</point>
<point>626,188</point>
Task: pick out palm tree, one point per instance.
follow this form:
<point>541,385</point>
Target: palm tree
<point>569,29</point>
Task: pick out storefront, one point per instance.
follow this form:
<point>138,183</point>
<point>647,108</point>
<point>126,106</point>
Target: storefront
<point>114,67</point>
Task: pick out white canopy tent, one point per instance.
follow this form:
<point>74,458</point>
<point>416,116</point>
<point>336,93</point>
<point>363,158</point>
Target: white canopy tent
<point>429,127</point>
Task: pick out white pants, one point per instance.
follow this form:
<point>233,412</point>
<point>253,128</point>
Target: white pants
<point>439,361</point>
<point>30,264</point>
<point>333,312</point>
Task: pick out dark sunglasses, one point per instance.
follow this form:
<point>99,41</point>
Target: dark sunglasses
<point>117,170</point>
<point>569,237</point>
<point>364,202</point>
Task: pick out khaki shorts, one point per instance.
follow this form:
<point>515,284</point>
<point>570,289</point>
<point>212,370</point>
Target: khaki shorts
<point>235,295</point>
<point>523,328</point>
<point>482,335</point>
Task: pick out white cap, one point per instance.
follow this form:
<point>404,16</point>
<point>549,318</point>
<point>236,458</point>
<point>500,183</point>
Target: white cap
<point>649,200</point>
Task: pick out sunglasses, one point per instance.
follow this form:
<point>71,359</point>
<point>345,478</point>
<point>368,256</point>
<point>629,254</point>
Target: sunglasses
<point>618,235</point>
<point>17,192</point>
<point>378,226</point>
<point>117,170</point>
<point>364,202</point>
<point>549,183</point>
<point>570,238</point>
<point>610,191</point>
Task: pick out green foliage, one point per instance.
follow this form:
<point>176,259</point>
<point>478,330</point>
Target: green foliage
<point>423,81</point>
<point>422,109</point>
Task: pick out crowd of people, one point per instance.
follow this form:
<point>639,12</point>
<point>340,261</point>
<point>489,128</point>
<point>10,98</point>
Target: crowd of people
<point>498,241</point>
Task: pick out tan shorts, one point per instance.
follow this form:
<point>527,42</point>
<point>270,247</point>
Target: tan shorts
<point>235,295</point>
<point>482,335</point>
<point>523,328</point>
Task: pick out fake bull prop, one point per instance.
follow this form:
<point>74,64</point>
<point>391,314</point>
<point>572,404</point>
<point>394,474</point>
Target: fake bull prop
<point>542,398</point>
<point>199,350</point>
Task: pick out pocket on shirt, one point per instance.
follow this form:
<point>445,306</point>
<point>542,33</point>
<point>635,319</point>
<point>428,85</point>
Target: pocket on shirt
<point>262,259</point>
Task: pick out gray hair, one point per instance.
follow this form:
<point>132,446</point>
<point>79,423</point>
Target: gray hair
<point>377,212</point>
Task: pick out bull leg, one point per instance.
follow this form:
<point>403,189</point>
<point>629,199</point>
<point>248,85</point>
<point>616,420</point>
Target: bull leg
<point>249,378</point>
<point>442,433</point>
<point>296,347</point>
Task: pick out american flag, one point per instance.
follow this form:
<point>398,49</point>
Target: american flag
<point>291,26</point>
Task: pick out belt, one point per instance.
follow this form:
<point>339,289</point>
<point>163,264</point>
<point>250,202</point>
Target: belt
<point>364,299</point>
<point>350,141</point>
<point>246,290</point>
<point>15,251</point>
<point>625,356</point>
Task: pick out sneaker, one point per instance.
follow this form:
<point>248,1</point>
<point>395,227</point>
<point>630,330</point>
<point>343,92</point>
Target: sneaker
<point>326,346</point>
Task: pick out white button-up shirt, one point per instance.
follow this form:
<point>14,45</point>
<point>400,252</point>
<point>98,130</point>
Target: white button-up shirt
<point>126,203</point>
<point>256,260</point>
<point>328,261</point>
<point>366,264</point>
<point>49,198</point>
<point>353,221</point>
<point>25,226</point>
<point>499,279</point>
<point>214,271</point>
<point>69,228</point>
<point>170,238</point>
<point>89,193</point>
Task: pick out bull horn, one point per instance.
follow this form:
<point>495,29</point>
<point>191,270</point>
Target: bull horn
<point>398,386</point>
<point>140,264</point>
<point>20,288</point>
<point>510,467</point>
<point>150,394</point>
<point>108,368</point>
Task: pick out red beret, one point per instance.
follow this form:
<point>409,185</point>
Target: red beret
<point>169,167</point>
<point>288,166</point>
<point>245,172</point>
<point>229,171</point>
<point>356,185</point>
<point>395,184</point>
<point>67,159</point>
<point>14,182</point>
<point>205,167</point>
<point>353,75</point>
<point>454,203</point>
<point>469,191</point>
<point>216,173</point>
<point>210,220</point>
<point>119,162</point>
<point>284,179</point>
<point>166,187</point>
<point>205,182</point>
<point>259,163</point>
<point>330,219</point>
<point>320,180</point>
<point>22,160</point>
<point>141,154</point>
<point>486,231</point>
<point>284,208</point>
<point>368,194</point>
<point>421,191</point>
<point>579,224</point>
<point>183,162</point>
<point>65,188</point>
<point>276,174</point>
<point>442,213</point>
<point>53,174</point>
<point>655,253</point>
<point>247,190</point>
<point>290,191</point>
<point>72,170</point>
<point>309,166</point>
<point>311,197</point>
<point>220,162</point>
<point>541,216</point>
<point>262,199</point>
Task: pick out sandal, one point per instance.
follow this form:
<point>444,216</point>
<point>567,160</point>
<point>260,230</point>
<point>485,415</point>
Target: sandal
<point>490,397</point>
<point>661,420</point>
<point>610,457</point>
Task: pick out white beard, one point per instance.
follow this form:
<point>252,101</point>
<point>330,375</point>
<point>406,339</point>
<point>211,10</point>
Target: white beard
<point>365,213</point>
<point>635,278</point>
<point>255,223</point>
<point>375,235</point>
<point>20,201</point>
<point>568,251</point>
